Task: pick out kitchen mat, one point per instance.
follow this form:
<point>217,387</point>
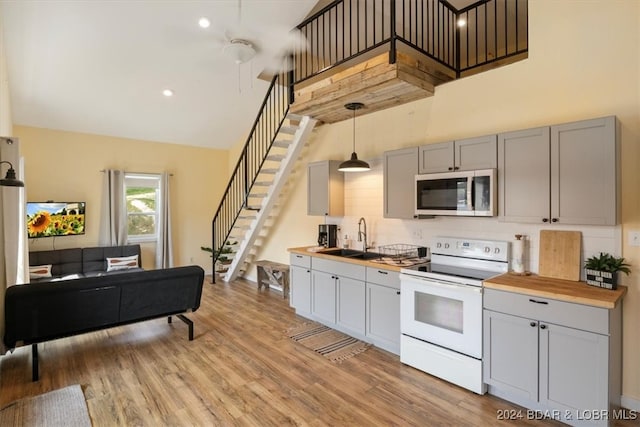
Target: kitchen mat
<point>328,342</point>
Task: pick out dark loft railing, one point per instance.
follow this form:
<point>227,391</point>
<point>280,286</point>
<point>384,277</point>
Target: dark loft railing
<point>493,30</point>
<point>271,115</point>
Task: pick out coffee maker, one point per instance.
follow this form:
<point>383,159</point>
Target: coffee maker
<point>328,235</point>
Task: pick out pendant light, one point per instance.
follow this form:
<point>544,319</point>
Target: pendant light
<point>353,164</point>
<point>10,179</point>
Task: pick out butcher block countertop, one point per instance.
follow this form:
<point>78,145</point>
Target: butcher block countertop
<point>310,251</point>
<point>559,289</point>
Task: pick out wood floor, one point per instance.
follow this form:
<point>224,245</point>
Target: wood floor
<point>241,370</point>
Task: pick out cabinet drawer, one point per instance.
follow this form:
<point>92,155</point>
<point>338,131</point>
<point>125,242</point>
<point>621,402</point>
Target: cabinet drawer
<point>338,268</point>
<point>383,277</point>
<point>300,260</point>
<point>562,313</point>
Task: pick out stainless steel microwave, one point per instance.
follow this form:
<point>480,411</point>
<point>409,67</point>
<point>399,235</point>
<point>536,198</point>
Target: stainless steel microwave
<point>469,193</point>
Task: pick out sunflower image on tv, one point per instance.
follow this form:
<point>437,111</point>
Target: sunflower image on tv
<point>55,219</point>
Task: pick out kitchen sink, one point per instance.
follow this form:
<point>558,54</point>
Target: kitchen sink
<point>353,254</point>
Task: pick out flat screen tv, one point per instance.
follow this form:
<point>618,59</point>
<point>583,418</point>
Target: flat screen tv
<point>50,219</point>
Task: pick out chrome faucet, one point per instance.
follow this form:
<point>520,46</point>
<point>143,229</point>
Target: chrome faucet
<point>362,233</point>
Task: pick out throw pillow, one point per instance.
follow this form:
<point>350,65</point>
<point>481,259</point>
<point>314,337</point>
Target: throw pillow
<point>122,263</point>
<point>39,271</point>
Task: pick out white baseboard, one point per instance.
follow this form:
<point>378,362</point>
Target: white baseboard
<point>630,403</point>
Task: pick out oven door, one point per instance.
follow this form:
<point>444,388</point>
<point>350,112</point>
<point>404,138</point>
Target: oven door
<point>443,313</point>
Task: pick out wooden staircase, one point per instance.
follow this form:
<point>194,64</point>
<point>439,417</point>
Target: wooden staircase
<point>266,189</point>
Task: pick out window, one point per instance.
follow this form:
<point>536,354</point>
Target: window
<point>142,192</point>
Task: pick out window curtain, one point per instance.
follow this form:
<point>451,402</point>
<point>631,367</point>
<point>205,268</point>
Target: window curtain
<point>113,215</point>
<point>14,261</point>
<point>164,244</point>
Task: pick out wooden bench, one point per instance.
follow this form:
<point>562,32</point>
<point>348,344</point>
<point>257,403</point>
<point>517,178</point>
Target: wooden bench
<point>273,275</point>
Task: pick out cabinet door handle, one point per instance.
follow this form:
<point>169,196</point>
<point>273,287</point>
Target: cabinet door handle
<point>545,219</point>
<point>456,168</point>
<point>397,292</point>
<point>538,302</point>
<point>450,168</point>
<point>554,220</point>
<point>383,272</point>
<point>533,324</point>
<point>308,271</point>
<point>543,326</point>
<point>298,256</point>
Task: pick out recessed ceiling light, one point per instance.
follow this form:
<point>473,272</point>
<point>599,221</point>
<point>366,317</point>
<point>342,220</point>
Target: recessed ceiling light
<point>204,22</point>
<point>167,92</point>
<point>462,22</point>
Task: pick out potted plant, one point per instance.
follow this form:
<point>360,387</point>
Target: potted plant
<point>602,270</point>
<point>223,260</point>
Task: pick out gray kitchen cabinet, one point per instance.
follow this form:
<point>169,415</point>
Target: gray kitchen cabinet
<point>584,168</point>
<point>523,175</point>
<point>400,169</point>
<point>351,305</point>
<point>323,297</point>
<point>300,283</point>
<point>338,296</point>
<point>383,317</point>
<point>564,174</point>
<point>460,155</point>
<point>383,308</point>
<point>325,189</point>
<point>552,355</point>
<point>363,302</point>
<point>510,354</point>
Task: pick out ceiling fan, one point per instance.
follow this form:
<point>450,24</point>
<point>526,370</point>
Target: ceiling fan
<point>271,44</point>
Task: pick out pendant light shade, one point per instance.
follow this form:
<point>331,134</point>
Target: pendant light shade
<point>10,179</point>
<point>354,164</point>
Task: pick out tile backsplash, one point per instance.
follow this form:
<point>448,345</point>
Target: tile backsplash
<point>364,198</point>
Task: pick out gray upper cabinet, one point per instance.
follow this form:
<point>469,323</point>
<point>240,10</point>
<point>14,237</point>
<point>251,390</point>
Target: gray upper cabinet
<point>460,155</point>
<point>436,158</point>
<point>564,174</point>
<point>584,172</point>
<point>523,175</point>
<point>400,168</point>
<point>325,189</point>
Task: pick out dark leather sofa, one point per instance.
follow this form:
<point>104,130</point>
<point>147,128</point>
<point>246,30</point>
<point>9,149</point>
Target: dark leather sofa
<point>41,312</point>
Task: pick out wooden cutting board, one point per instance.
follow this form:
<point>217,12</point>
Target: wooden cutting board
<point>560,254</point>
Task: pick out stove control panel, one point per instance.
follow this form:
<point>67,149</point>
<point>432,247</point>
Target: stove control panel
<point>494,250</point>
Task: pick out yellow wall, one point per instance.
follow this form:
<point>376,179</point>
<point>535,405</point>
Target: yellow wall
<point>584,62</point>
<point>66,166</point>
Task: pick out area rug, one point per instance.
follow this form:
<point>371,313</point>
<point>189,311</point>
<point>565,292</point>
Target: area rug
<point>63,407</point>
<point>328,342</point>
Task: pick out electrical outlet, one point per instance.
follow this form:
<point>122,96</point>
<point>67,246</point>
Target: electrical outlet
<point>417,234</point>
<point>634,238</point>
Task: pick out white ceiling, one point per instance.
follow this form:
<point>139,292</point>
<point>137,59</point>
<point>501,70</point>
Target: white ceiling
<point>99,66</point>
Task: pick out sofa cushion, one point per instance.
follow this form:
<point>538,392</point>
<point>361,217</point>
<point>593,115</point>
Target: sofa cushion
<point>63,261</point>
<point>122,263</point>
<point>95,259</point>
<point>39,271</point>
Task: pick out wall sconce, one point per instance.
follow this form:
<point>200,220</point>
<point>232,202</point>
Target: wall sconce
<point>10,179</point>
